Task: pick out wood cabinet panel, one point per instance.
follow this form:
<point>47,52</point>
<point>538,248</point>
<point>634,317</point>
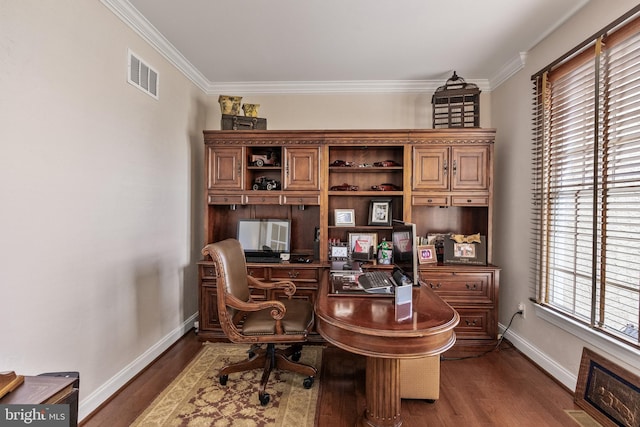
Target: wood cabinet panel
<point>302,168</point>
<point>431,168</point>
<point>469,168</point>
<point>224,168</point>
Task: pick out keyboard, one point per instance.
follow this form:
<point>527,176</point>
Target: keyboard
<point>376,282</point>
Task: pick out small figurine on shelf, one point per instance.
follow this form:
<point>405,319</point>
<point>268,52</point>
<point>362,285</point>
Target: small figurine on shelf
<point>385,252</point>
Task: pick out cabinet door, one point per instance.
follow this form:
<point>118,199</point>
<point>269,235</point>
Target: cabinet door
<point>469,168</point>
<point>430,168</point>
<point>302,171</point>
<point>224,166</point>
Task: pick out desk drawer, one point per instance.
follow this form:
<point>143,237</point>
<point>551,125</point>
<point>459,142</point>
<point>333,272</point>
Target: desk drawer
<point>461,287</point>
<point>470,200</point>
<point>295,274</point>
<point>262,199</point>
<point>475,324</point>
<point>301,199</point>
<point>427,200</point>
<point>257,272</point>
<point>226,199</point>
<point>207,271</point>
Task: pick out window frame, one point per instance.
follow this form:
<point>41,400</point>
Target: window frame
<point>594,326</point>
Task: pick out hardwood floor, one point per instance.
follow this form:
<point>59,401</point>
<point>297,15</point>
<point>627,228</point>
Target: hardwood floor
<point>502,388</point>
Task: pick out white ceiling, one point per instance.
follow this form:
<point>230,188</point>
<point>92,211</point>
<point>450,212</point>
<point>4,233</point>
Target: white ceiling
<point>289,45</point>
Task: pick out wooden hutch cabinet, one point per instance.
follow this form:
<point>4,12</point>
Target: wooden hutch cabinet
<point>439,179</point>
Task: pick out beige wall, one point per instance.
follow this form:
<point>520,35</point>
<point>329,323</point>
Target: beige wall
<point>556,350</point>
<point>346,111</point>
<point>100,189</point>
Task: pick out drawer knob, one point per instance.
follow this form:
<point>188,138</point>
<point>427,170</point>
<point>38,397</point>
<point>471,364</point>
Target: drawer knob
<point>436,286</point>
<point>471,322</point>
<point>473,287</point>
<point>429,200</point>
<point>293,274</point>
<point>468,200</point>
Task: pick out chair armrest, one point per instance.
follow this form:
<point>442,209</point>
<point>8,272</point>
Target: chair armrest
<point>288,286</point>
<point>278,307</point>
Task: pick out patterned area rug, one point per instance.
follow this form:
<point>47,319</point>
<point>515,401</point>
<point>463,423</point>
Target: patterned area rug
<point>196,397</point>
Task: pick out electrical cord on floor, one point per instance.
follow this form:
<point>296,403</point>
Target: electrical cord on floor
<point>442,358</point>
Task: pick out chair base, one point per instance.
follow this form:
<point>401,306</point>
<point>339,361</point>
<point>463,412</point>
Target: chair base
<point>268,359</point>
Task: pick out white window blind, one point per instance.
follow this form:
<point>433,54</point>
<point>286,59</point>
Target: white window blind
<point>587,183</point>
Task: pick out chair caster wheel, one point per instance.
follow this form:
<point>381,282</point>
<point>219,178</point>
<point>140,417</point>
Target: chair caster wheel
<point>264,399</point>
<point>296,356</point>
<point>308,382</point>
<point>223,379</point>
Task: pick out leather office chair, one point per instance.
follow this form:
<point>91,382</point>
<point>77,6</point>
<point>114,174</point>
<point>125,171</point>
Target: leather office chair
<point>271,322</point>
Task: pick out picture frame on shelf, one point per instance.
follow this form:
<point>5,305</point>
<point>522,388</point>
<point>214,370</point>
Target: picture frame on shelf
<point>344,217</point>
<point>362,246</point>
<point>427,254</point>
<point>380,212</point>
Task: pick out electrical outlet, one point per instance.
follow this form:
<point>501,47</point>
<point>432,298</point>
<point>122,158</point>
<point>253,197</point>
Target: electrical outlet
<point>521,309</point>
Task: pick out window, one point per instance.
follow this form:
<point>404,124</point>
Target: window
<point>586,182</point>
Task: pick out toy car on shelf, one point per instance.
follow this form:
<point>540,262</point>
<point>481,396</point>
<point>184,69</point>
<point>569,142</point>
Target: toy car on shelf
<point>264,183</point>
<point>344,187</point>
<point>386,187</point>
<point>341,163</point>
<point>267,159</point>
<point>386,164</point>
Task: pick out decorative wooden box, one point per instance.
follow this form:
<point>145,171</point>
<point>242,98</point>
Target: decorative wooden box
<point>456,104</point>
<point>230,122</point>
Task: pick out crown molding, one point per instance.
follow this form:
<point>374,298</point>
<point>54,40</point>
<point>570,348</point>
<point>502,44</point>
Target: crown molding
<point>141,26</point>
<point>319,87</point>
<point>507,71</point>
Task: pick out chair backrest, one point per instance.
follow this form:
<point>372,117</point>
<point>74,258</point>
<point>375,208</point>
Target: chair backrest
<point>231,268</point>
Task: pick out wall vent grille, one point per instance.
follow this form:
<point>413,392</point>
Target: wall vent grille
<point>142,76</point>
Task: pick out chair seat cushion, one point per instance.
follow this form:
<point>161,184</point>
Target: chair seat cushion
<point>297,320</point>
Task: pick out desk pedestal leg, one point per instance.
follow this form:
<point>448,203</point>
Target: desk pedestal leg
<point>383,393</point>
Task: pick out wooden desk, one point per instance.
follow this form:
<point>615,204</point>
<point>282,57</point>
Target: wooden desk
<point>368,326</point>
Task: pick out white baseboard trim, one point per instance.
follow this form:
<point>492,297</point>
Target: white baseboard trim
<point>104,392</point>
<point>565,377</point>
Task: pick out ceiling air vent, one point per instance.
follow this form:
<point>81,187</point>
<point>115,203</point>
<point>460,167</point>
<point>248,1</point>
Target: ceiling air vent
<point>142,76</point>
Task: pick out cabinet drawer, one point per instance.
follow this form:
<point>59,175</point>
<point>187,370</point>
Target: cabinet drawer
<point>469,200</point>
<point>431,200</point>
<point>472,287</point>
<point>289,199</point>
<point>262,199</point>
<point>224,199</point>
<point>475,324</point>
<point>257,272</point>
<point>295,274</point>
<point>207,272</point>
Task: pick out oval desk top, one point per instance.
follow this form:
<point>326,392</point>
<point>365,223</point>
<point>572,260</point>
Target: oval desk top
<point>370,325</point>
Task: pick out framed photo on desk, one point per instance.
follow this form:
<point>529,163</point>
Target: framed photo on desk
<point>362,246</point>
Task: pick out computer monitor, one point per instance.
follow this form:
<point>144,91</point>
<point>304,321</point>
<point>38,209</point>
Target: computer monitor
<point>404,249</point>
<point>264,237</point>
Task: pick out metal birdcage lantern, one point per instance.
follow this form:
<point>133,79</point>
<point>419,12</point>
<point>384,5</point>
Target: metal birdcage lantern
<point>456,104</point>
